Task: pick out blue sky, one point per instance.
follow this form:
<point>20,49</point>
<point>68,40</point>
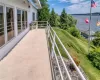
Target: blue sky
<point>73,6</point>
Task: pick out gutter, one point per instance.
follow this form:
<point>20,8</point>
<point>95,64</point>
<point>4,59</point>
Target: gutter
<point>39,4</point>
<point>35,5</point>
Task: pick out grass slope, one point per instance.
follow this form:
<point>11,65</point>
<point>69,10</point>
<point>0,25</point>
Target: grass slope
<point>78,48</point>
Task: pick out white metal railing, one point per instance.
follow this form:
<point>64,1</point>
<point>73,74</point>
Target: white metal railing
<point>52,38</point>
<point>38,24</point>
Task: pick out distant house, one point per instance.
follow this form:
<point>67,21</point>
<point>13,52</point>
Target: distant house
<point>15,17</point>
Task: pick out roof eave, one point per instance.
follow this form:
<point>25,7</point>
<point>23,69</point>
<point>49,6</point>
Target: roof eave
<point>39,4</point>
<point>30,1</point>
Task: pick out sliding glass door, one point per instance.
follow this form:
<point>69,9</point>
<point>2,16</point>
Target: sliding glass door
<point>8,31</point>
<point>19,21</point>
<point>24,20</point>
<point>10,23</point>
<point>2,37</point>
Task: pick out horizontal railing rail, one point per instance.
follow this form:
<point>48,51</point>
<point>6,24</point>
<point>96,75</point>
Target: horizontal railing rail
<point>55,52</point>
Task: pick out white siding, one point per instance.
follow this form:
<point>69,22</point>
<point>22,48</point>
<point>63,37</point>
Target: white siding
<point>30,13</point>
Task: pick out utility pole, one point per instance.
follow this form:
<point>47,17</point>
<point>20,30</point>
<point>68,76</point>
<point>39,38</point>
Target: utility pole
<point>89,36</point>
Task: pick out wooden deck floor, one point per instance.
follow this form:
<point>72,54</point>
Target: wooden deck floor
<point>29,60</point>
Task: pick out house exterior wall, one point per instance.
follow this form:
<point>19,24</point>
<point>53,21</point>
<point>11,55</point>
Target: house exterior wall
<point>16,4</point>
<point>30,12</point>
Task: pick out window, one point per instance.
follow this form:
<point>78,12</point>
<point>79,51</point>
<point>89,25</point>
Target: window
<point>23,20</point>
<point>26,19</point>
<point>19,20</point>
<point>36,16</point>
<point>2,37</point>
<point>33,16</point>
<point>10,23</point>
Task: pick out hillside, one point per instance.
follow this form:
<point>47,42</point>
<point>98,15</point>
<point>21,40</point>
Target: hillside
<point>78,48</point>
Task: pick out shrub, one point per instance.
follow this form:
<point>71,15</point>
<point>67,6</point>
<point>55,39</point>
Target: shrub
<point>72,68</point>
<point>94,57</point>
<point>74,31</point>
<point>96,42</point>
<point>97,34</point>
<point>76,61</point>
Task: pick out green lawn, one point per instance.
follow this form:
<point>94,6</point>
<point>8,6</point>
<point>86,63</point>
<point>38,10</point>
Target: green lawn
<point>78,48</point>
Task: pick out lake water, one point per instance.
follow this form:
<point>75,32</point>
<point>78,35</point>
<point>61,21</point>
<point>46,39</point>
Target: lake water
<point>81,25</point>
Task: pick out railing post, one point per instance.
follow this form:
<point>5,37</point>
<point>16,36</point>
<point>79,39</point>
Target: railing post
<point>36,24</point>
<point>48,31</point>
<point>47,27</point>
<point>32,26</point>
<point>53,46</point>
<point>47,23</point>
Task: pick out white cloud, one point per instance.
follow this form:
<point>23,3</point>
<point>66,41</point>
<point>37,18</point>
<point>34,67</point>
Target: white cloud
<point>83,7</point>
<point>52,4</point>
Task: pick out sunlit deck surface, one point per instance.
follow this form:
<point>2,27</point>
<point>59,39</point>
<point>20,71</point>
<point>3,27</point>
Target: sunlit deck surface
<point>29,60</point>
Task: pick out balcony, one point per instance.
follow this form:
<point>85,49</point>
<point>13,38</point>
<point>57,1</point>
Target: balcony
<point>37,57</point>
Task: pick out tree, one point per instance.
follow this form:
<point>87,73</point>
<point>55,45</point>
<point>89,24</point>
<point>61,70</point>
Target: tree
<point>43,13</point>
<point>63,20</point>
<point>71,21</point>
<point>67,20</point>
<point>57,20</point>
<point>43,2</point>
<point>53,18</point>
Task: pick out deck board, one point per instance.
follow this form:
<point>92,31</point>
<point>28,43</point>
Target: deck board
<point>29,60</point>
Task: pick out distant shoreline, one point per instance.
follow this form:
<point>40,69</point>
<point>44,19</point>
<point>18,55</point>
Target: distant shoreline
<point>93,14</point>
<point>82,15</point>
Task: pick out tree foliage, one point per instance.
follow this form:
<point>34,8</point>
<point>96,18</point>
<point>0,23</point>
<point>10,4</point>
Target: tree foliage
<point>71,21</point>
<point>74,31</point>
<point>96,42</point>
<point>63,20</point>
<point>67,20</point>
<point>43,13</point>
<point>97,34</point>
<point>94,57</point>
<point>43,2</point>
<point>53,18</point>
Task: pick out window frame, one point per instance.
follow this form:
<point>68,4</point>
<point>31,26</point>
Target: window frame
<point>1,4</point>
<point>26,19</point>
<point>25,26</point>
<point>5,22</point>
<point>21,21</point>
<point>13,20</point>
<point>17,8</point>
